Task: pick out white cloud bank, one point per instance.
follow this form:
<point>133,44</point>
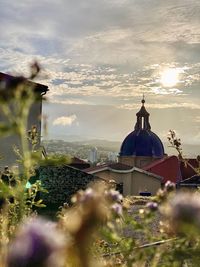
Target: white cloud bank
<point>65,120</point>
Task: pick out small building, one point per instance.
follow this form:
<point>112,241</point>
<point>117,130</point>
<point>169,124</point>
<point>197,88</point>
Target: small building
<point>8,83</point>
<point>130,180</point>
<point>92,157</point>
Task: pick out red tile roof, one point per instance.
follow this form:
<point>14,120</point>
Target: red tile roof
<point>167,167</point>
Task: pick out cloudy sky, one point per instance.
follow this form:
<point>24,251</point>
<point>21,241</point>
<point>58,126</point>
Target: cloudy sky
<point>99,57</point>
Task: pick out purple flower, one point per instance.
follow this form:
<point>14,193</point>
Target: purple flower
<point>114,195</point>
<point>117,208</point>
<point>37,244</point>
<point>185,208</point>
<point>84,196</point>
<point>88,194</point>
<point>152,206</point>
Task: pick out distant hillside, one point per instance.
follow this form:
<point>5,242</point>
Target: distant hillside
<point>108,145</point>
<point>82,148</point>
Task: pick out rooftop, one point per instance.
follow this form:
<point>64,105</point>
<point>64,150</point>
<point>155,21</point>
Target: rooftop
<point>12,81</point>
<point>120,168</point>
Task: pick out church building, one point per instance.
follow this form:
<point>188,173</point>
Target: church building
<point>141,146</point>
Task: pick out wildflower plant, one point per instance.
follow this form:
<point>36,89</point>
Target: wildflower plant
<point>16,99</point>
<point>100,228</point>
<point>37,243</point>
<point>175,142</point>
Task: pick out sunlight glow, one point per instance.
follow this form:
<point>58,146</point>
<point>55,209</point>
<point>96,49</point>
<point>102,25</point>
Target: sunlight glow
<point>170,77</point>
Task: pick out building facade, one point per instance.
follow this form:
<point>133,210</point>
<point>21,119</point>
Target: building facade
<point>8,84</point>
<point>131,180</point>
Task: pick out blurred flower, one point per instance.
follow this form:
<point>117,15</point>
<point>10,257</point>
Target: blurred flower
<point>87,195</point>
<point>152,206</point>
<point>169,186</point>
<point>114,195</point>
<point>184,209</point>
<point>83,196</point>
<point>37,243</point>
<point>161,195</point>
<point>117,208</point>
<point>91,209</point>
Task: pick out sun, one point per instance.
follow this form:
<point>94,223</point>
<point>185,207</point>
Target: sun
<point>170,77</point>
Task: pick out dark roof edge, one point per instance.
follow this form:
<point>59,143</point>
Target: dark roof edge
<point>38,88</point>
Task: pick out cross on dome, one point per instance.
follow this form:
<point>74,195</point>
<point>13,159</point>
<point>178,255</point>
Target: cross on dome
<point>143,100</point>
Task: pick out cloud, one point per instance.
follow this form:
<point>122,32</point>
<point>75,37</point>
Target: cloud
<point>67,101</point>
<point>65,120</point>
<point>130,31</point>
<point>163,106</point>
<point>91,62</point>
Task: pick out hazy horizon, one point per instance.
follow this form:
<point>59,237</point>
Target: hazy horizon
<point>188,150</point>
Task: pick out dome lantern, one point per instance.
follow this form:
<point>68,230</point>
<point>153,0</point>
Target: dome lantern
<point>142,118</point>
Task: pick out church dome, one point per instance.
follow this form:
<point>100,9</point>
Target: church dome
<point>142,141</point>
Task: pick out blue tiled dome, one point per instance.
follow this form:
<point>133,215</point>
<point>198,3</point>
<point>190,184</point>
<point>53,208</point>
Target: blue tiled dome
<point>142,141</point>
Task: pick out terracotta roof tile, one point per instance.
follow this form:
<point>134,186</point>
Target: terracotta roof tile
<point>167,167</point>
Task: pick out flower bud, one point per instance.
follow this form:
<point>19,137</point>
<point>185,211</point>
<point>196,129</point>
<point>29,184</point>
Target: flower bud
<point>37,243</point>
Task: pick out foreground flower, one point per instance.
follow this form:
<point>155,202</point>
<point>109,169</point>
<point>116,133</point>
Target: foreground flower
<point>114,195</point>
<point>169,186</point>
<point>152,206</point>
<point>117,208</point>
<point>184,210</point>
<point>37,244</point>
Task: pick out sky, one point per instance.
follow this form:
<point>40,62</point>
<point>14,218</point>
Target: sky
<point>99,57</point>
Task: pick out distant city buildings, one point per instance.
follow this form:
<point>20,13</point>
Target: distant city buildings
<point>112,156</point>
<point>92,157</point>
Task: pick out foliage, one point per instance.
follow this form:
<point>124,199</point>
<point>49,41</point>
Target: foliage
<point>100,228</point>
